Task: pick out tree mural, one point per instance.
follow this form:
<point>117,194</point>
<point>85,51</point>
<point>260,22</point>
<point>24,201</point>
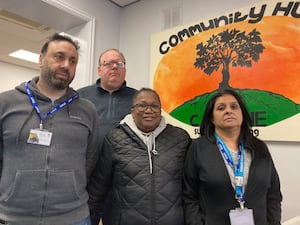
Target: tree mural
<point>227,48</point>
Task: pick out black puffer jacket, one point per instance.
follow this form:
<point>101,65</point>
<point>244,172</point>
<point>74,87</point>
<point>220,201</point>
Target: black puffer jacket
<point>139,197</point>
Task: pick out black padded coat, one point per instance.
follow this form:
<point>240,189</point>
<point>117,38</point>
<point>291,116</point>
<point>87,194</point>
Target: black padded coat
<point>139,197</point>
<point>209,195</point>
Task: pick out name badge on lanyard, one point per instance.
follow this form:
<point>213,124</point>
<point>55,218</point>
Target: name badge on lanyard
<point>242,215</point>
<point>39,135</point>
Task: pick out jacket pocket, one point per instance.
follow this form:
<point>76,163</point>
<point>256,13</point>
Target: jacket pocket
<point>65,193</point>
<point>25,192</point>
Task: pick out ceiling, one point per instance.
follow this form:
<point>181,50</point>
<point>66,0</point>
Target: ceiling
<point>19,33</point>
<point>24,32</point>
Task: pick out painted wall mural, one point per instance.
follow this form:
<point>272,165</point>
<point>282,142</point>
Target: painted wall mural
<point>255,50</point>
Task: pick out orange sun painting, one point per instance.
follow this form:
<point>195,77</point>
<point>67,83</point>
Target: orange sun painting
<point>177,80</point>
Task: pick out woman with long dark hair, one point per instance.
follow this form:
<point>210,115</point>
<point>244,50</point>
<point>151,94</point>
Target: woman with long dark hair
<point>229,175</point>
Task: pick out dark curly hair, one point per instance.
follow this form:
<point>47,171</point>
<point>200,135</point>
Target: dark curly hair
<point>58,37</point>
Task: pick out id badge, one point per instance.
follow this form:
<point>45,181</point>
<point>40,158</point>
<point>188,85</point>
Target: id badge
<point>39,137</point>
<point>241,216</point>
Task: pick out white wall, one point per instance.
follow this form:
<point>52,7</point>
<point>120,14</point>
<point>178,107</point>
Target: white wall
<point>286,156</point>
<point>129,29</point>
<point>107,27</point>
<point>12,75</point>
<point>140,20</point>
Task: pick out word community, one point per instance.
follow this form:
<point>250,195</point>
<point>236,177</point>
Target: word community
<point>255,15</point>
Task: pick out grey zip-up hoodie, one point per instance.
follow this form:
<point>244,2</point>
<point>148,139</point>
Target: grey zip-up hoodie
<point>39,184</point>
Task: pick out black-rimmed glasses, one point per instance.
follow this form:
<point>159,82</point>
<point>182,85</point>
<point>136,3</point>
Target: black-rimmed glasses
<point>142,107</point>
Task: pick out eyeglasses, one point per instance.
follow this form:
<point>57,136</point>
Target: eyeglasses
<point>111,64</point>
<point>142,107</point>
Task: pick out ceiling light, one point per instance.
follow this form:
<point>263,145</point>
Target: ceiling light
<point>25,55</point>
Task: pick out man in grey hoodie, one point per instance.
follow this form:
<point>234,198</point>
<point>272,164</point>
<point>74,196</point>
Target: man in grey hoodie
<point>48,144</point>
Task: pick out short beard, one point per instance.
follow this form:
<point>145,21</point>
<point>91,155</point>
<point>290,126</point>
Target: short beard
<point>49,77</point>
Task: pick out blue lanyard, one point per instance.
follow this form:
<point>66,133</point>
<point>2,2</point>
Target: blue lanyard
<point>53,110</point>
<point>237,169</point>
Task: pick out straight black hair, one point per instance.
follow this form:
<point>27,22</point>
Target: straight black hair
<point>208,128</point>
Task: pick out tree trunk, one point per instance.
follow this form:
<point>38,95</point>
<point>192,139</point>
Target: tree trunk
<point>225,78</point>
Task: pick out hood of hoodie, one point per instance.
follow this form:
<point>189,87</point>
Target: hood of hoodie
<point>39,97</point>
<point>37,94</point>
<point>147,138</point>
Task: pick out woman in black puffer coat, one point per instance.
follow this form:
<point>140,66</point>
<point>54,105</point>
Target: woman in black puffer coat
<point>142,164</point>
